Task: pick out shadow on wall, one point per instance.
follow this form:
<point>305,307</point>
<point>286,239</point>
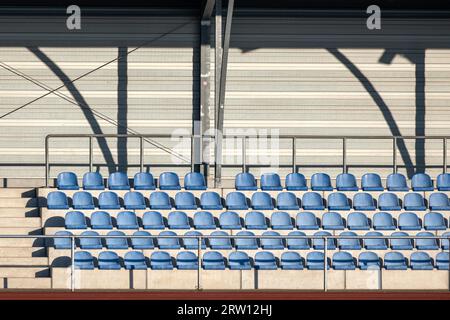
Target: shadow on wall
<point>122,107</point>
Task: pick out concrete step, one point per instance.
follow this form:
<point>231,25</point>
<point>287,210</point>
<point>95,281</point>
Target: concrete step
<point>17,192</point>
<point>18,262</point>
<point>20,222</point>
<point>24,272</point>
<point>20,231</point>
<point>20,252</point>
<point>18,203</point>
<point>26,283</point>
<point>21,242</point>
<point>19,212</point>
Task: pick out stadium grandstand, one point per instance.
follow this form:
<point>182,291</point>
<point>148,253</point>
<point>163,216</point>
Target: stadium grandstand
<point>229,145</point>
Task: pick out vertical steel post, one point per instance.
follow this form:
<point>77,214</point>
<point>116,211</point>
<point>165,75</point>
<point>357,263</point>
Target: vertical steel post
<point>394,154</point>
<point>294,155</point>
<point>141,153</point>
<point>199,267</point>
<point>47,164</point>
<point>325,265</point>
<point>244,154</point>
<point>445,154</point>
<point>91,162</point>
<point>344,155</point>
<point>217,67</point>
<point>72,266</point>
<point>192,154</point>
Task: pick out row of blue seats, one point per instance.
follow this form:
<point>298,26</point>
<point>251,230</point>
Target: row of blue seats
<point>256,220</point>
<point>210,200</point>
<point>246,181</point>
<point>247,241</point>
<point>238,260</point>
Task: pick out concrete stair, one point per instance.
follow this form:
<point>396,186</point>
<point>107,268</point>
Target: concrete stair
<point>24,262</point>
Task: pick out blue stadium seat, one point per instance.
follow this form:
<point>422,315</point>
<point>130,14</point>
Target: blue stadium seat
<point>401,244</point>
<point>118,181</point>
<point>134,260</point>
<point>160,200</point>
<point>213,260</point>
<point>343,261</point>
<point>178,220</point>
<point>255,220</point>
<point>211,200</point>
<point>101,220</point>
<point>396,182</point>
<point>363,201</point>
<point>306,221</point>
<point>423,243</point>
<point>388,201</point>
<point>281,221</point>
<point>194,181</point>
<point>142,243</point>
<point>272,243</point>
<point>161,260</point>
<point>230,220</point>
<point>442,261</point>
<point>245,181</point>
<point>443,182</point>
<point>169,181</point>
<point>315,260</point>
<point>357,221</point>
<point>312,201</point>
<point>219,243</point>
<point>108,260</point>
<point>332,221</point>
<point>57,200</point>
<point>271,182</point>
<point>375,244</point>
<point>83,260</point>
<point>439,201</point>
<point>371,182</point>
<point>239,260</point>
<point>192,243</point>
<point>420,261</point>
<point>409,221</point>
<point>434,221</point>
<point>116,243</point>
<point>236,201</point>
<point>296,182</point>
<point>144,181</point>
<point>62,243</point>
<point>153,220</point>
<point>108,200</point>
<point>168,243</point>
<point>395,261</point>
<point>127,220</point>
<point>291,261</point>
<point>67,181</point>
<point>187,260</point>
<point>338,201</point>
<point>185,200</point>
<point>422,182</point>
<point>383,221</point>
<point>90,243</point>
<point>349,243</point>
<point>265,260</point>
<point>414,201</point>
<point>445,243</point>
<point>369,261</point>
<point>245,243</point>
<point>134,200</point>
<point>346,182</point>
<point>262,201</point>
<point>93,181</point>
<point>321,182</point>
<point>319,244</point>
<point>83,200</point>
<point>299,243</point>
<point>204,220</point>
<point>287,201</point>
<point>75,220</point>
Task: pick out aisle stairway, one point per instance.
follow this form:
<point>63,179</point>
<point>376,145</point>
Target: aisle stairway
<point>23,262</point>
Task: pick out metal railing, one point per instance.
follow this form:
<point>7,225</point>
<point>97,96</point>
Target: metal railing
<point>326,265</point>
<point>244,138</point>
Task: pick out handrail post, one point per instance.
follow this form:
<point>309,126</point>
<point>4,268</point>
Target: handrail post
<point>192,154</point>
<point>72,266</point>
<point>47,165</point>
<point>294,155</point>
<point>445,154</point>
<point>344,155</point>
<point>394,154</point>
<point>141,153</point>
<point>325,265</point>
<point>244,154</point>
<point>199,267</point>
<point>91,156</point>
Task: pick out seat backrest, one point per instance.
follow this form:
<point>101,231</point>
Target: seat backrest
<point>271,181</point>
<point>90,243</point>
<point>425,243</point>
<point>192,243</point>
<point>127,220</point>
<point>399,242</point>
<point>219,242</point>
<point>101,220</point>
<point>265,259</point>
<point>161,259</point>
<point>338,200</point>
<point>442,259</point>
<point>116,243</point>
<point>239,259</point>
<point>262,201</point>
<point>108,200</point>
<point>443,182</point>
<point>396,182</point>
<point>169,181</point>
<point>62,243</point>
<point>369,260</point>
<point>57,200</point>
<point>118,181</point>
<point>185,200</point>
<point>194,181</point>
<point>312,201</point>
<point>236,201</point>
<point>144,181</point>
<point>306,220</point>
<point>75,220</point>
<point>287,201</point>
<point>409,221</point>
<point>178,220</point>
<point>213,259</point>
<point>204,219</point>
<point>83,260</point>
<point>420,258</point>
<point>388,201</point>
<point>394,259</point>
<point>299,243</point>
<point>374,243</point>
<point>93,181</point>
<point>315,259</point>
<point>281,219</point>
<point>291,258</point>
<point>134,259</point>
<point>134,200</point>
<point>363,201</point>
<point>245,181</point>
<point>414,201</point>
<point>230,220</point>
<point>211,200</point>
<point>296,182</point>
<point>343,259</point>
<point>82,200</point>
<point>357,220</point>
<point>439,201</point>
<point>434,221</point>
<point>321,182</point>
<point>319,243</point>
<point>383,220</point>
<point>168,242</point>
<point>422,182</point>
<point>255,220</point>
<point>67,181</point>
<point>160,200</point>
<point>346,182</point>
<point>187,258</point>
<point>331,220</point>
<point>349,242</point>
<point>277,241</point>
<point>371,182</point>
<point>153,220</point>
<point>248,242</point>
<point>142,243</point>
